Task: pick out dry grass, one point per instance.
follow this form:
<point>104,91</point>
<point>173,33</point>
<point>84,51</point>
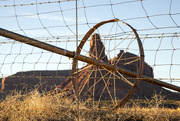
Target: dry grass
<point>45,107</point>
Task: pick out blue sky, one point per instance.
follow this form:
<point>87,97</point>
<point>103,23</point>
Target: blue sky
<point>156,21</point>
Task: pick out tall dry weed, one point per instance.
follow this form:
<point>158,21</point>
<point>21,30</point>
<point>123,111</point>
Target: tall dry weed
<point>35,106</point>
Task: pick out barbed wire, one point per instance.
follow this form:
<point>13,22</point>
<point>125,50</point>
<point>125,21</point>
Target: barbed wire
<point>40,3</point>
<point>72,38</point>
<point>157,39</point>
<point>101,5</point>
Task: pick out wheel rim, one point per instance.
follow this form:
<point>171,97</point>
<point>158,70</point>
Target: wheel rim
<point>88,86</point>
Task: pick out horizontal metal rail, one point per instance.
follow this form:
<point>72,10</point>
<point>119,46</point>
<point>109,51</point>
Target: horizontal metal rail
<point>57,50</point>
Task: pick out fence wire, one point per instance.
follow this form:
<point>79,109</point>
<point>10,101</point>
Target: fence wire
<point>54,22</point>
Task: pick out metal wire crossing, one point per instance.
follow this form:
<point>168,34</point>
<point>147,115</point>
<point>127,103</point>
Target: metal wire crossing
<point>63,24</point>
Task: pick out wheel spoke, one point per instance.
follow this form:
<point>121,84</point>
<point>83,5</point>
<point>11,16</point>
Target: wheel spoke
<point>132,61</point>
<point>95,84</point>
<point>105,43</point>
<point>103,90</point>
<point>82,69</point>
<point>122,77</point>
<point>115,88</point>
<point>106,85</point>
<point>89,53</point>
<point>86,81</point>
<point>118,44</point>
<point>125,49</point>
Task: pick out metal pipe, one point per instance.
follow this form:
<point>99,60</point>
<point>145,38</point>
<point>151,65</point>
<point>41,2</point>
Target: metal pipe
<point>36,43</point>
<point>51,48</point>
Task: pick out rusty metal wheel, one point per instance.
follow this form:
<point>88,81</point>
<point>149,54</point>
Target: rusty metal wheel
<point>121,48</point>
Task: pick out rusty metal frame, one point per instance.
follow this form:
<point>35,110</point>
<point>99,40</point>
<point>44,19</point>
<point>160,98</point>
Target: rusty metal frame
<point>115,68</point>
<point>77,56</point>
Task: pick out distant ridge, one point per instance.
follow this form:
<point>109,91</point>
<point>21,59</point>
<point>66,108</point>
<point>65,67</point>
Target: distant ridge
<point>29,79</point>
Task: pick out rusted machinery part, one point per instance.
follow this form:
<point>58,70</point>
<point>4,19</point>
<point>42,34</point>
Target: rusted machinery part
<point>139,72</point>
<point>67,53</point>
<point>70,54</point>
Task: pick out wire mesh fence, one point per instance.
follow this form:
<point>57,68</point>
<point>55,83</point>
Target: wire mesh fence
<point>54,22</point>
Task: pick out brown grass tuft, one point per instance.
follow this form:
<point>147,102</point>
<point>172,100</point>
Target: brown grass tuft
<point>45,107</point>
